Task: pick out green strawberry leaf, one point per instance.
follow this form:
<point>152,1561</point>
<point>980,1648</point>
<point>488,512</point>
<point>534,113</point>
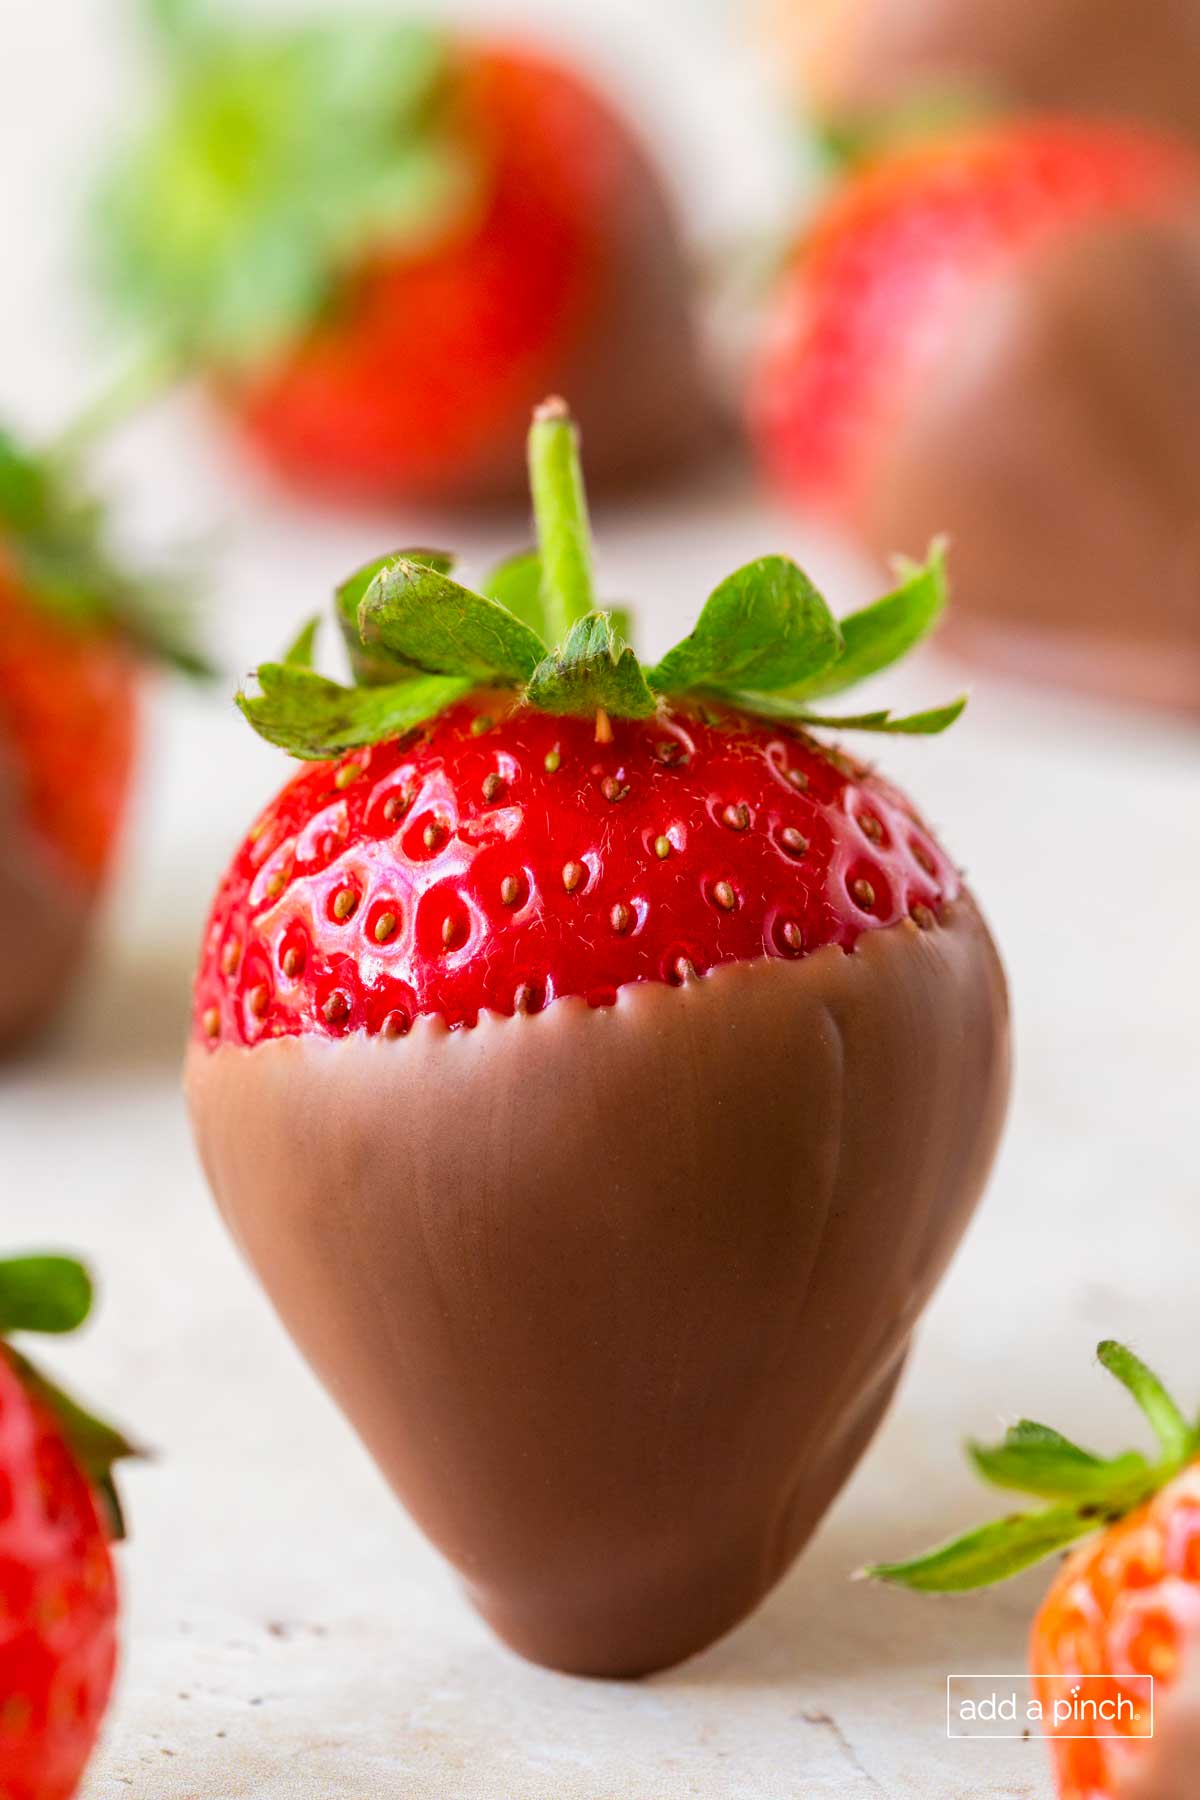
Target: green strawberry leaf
<point>1176,1437</point>
<point>1035,1460</point>
<point>423,620</point>
<point>370,667</point>
<point>96,1445</point>
<point>314,718</point>
<point>43,1293</point>
<point>922,724</point>
<point>1090,1491</point>
<point>993,1553</point>
<point>280,161</point>
<point>55,534</point>
<point>764,627</point>
<point>881,634</point>
<point>594,670</point>
<point>517,584</point>
<point>299,654</point>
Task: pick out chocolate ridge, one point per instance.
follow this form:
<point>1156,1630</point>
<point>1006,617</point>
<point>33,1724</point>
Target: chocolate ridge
<point>617,1297</point>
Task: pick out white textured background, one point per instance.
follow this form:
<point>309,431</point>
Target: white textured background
<point>288,1635</point>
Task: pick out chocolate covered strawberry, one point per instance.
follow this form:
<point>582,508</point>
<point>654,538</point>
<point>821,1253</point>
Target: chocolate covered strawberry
<point>382,245</point>
<point>58,1591</point>
<point>994,333</point>
<point>76,630</point>
<point>1117,58</point>
<point>599,1071</point>
<point>1125,1606</point>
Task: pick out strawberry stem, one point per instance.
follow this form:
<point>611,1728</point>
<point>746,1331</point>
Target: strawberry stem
<point>560,509</point>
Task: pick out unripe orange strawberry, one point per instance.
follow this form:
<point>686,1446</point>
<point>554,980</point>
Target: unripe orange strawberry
<point>1125,1606</point>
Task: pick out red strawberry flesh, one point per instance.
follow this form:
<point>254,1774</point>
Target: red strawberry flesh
<point>58,1604</point>
<point>506,866</point>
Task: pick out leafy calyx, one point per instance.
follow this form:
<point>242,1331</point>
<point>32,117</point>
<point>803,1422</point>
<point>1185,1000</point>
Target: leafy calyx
<point>53,539</point>
<point>1085,1492</point>
<point>765,642</point>
<point>280,160</point>
<point>53,1295</point>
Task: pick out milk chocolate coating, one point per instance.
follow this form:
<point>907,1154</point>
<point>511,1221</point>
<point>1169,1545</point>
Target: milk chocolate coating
<point>45,915</point>
<point>1057,439</point>
<point>1119,58</point>
<point>617,1297</point>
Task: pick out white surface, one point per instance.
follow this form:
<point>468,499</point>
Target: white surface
<point>288,1634</point>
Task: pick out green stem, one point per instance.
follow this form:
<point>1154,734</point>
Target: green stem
<point>560,509</point>
<point>1169,1425</point>
<point>136,387</point>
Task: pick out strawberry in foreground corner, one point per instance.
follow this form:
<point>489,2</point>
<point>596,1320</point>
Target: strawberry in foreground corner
<point>77,631</point>
<point>382,245</point>
<point>598,1070</point>
<point>58,1590</point>
<point>1123,1607</point>
<point>991,332</point>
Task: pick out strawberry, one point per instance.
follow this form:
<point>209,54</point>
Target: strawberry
<point>424,236</point>
<point>1109,57</point>
<point>1123,1606</point>
<point>991,330</point>
<point>75,630</point>
<point>561,1032</point>
<point>58,1591</point>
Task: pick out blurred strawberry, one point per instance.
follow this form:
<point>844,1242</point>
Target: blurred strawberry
<point>382,246</point>
<point>1115,58</point>
<point>75,629</point>
<point>994,333</point>
<point>58,1591</point>
<point>1122,1609</point>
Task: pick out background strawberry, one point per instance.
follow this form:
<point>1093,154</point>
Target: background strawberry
<point>1114,58</point>
<point>992,333</point>
<point>416,240</point>
<point>75,631</point>
<point>58,1593</point>
<point>1127,1604</point>
<point>577,889</point>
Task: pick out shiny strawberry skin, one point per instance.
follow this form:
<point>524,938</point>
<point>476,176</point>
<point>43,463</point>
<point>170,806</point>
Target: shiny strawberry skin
<point>896,259</point>
<point>68,730</point>
<point>423,382</point>
<point>501,858</point>
<point>58,1604</point>
<point>1127,1603</point>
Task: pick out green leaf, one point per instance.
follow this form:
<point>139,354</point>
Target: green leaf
<point>1033,1459</point>
<point>299,654</point>
<point>764,627</point>
<point>993,1553</point>
<point>594,669</point>
<point>881,634</point>
<point>55,532</point>
<point>922,724</point>
<point>517,584</point>
<point>313,718</point>
<point>281,159</point>
<point>97,1446</point>
<point>43,1293</point>
<point>370,667</point>
<point>422,619</point>
<point>1176,1437</point>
